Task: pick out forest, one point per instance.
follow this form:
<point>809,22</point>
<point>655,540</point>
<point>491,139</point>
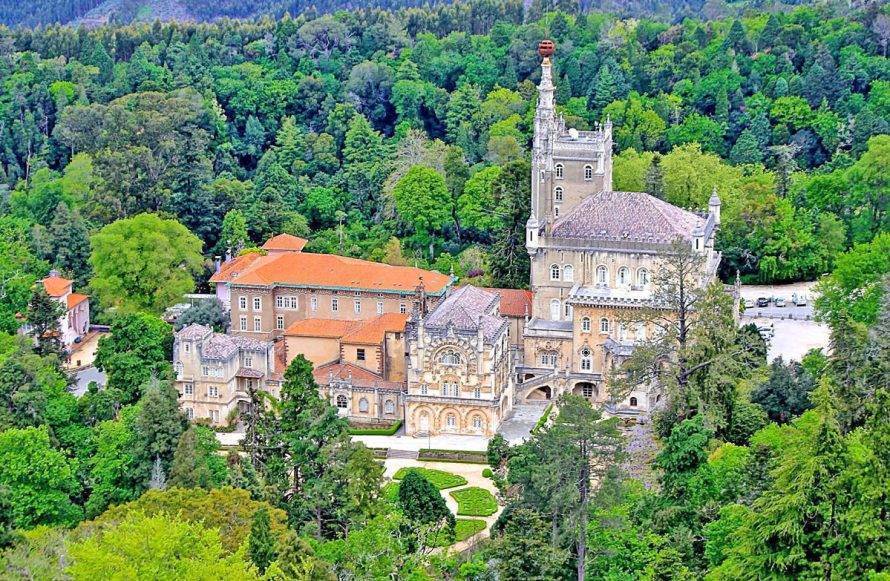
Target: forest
<point>132,156</point>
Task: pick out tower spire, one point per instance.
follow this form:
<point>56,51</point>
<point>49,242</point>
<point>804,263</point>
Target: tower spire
<point>545,88</point>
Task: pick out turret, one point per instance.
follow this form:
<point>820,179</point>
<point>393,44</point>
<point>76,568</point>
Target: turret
<point>714,206</point>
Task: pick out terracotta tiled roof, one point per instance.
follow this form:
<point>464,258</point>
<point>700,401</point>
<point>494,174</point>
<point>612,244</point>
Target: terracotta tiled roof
<point>232,268</point>
<point>75,299</point>
<point>285,242</point>
<point>330,328</point>
<point>56,286</point>
<point>373,332</point>
<point>331,271</point>
<point>632,216</point>
<point>515,302</point>
<point>370,332</point>
<point>357,376</point>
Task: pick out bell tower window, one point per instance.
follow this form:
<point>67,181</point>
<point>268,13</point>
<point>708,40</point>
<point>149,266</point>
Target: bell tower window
<point>588,172</point>
<point>560,170</point>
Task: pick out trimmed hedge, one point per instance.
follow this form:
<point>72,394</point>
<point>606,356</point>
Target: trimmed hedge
<point>475,501</point>
<point>487,473</point>
<point>543,419</point>
<point>439,478</point>
<point>390,431</point>
<point>458,456</point>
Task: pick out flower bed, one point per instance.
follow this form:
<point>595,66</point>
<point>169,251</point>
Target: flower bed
<point>439,478</point>
<point>475,501</point>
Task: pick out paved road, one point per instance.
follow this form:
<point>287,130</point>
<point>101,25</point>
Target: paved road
<point>774,312</point>
<point>519,425</point>
<point>84,377</point>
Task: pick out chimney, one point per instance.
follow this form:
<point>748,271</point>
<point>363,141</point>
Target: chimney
<point>217,263</point>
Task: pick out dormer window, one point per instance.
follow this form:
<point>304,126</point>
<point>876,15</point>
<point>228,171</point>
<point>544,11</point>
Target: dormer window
<point>588,172</point>
<point>554,272</point>
<point>560,170</point>
<point>557,194</point>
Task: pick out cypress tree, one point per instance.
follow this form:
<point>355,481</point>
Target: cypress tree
<point>422,504</point>
<point>655,178</point>
<point>189,470</point>
<point>43,317</point>
<point>261,544</point>
<point>70,244</point>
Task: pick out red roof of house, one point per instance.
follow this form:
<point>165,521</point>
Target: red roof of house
<point>368,332</point>
<point>331,271</point>
<point>285,242</point>
<point>358,376</point>
<point>75,299</point>
<point>56,286</point>
<point>514,302</point>
<point>232,268</point>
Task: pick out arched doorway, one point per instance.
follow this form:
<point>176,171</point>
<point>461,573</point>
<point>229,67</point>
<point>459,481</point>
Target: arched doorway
<point>540,394</point>
<point>424,422</point>
<point>586,389</point>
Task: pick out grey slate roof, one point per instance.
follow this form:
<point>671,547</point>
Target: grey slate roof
<point>633,216</point>
<point>217,345</point>
<point>467,309</point>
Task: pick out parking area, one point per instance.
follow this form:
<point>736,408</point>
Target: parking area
<point>794,332</point>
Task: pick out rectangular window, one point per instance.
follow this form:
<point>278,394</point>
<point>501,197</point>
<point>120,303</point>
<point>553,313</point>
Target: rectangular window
<point>242,323</point>
<point>360,354</point>
<point>189,389</point>
<point>313,303</point>
<point>279,322</point>
<point>257,304</point>
<point>205,370</point>
<point>335,304</point>
<point>190,413</point>
<point>403,308</point>
<point>212,391</point>
<point>242,303</point>
<point>279,302</point>
<point>293,303</point>
<point>424,390</point>
<point>214,415</point>
<point>379,307</point>
<point>257,324</point>
<point>248,361</point>
<point>357,306</point>
<point>477,393</point>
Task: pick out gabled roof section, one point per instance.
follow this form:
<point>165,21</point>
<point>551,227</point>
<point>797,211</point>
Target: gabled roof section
<point>469,308</point>
<point>230,269</point>
<point>56,286</point>
<point>352,374</point>
<point>324,328</point>
<point>515,302</point>
<point>330,271</point>
<point>367,332</point>
<point>632,216</point>
<point>285,242</point>
<point>75,299</point>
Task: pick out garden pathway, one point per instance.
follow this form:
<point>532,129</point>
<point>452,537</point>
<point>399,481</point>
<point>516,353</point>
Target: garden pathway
<point>473,474</point>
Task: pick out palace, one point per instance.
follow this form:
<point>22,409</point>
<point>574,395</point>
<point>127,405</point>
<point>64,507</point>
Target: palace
<point>399,343</point>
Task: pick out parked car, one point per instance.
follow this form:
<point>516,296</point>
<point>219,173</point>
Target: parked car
<point>801,301</point>
<point>762,302</point>
<point>749,303</point>
<point>767,331</point>
<point>779,301</point>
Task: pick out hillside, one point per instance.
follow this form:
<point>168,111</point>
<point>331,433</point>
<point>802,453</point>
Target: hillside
<point>97,12</point>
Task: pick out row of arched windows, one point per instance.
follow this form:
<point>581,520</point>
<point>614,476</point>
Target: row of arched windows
<point>389,406</point>
<point>622,278</point>
<point>559,170</point>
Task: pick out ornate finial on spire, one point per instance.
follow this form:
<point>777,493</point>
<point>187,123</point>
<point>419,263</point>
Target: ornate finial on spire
<point>546,48</point>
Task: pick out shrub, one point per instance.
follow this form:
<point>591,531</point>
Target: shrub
<point>475,501</point>
<point>387,431</point>
<point>438,478</point>
<point>487,473</point>
<point>498,451</point>
<point>456,456</point>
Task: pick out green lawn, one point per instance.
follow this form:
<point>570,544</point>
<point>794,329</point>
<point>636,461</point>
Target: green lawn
<point>467,527</point>
<point>439,478</point>
<point>391,491</point>
<point>475,501</point>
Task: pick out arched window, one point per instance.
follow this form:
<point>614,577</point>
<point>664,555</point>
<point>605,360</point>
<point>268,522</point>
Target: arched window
<point>623,276</point>
<point>450,357</point>
<point>585,359</point>
<point>559,171</point>
<point>588,172</point>
<point>602,275</point>
<point>363,405</point>
<point>587,389</point>
<point>557,194</point>
<point>567,312</point>
<point>554,310</point>
<point>342,402</point>
<point>554,272</point>
<point>389,406</point>
<point>451,420</point>
<point>642,277</point>
<point>585,324</point>
<point>477,422</point>
<point>633,402</point>
<point>604,325</point>
<point>568,273</point>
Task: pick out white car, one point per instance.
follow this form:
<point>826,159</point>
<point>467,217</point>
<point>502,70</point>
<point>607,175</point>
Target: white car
<point>779,301</point>
<point>801,301</point>
<point>749,303</point>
